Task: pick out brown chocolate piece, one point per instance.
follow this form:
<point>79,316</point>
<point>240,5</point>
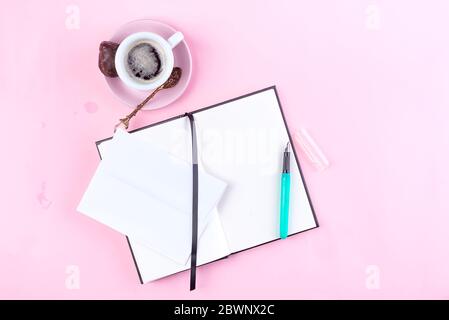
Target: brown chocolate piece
<point>106,58</point>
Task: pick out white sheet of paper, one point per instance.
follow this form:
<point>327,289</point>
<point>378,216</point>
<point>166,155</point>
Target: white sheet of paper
<point>242,142</point>
<point>142,191</point>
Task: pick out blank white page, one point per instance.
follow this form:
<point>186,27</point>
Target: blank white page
<point>174,138</point>
<point>242,142</point>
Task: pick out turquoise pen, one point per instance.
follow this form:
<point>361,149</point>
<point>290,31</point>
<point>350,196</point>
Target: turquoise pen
<point>285,193</point>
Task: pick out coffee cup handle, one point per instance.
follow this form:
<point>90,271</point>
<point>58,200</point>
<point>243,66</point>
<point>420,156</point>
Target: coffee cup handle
<point>175,39</point>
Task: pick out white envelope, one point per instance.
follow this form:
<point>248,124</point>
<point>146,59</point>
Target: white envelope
<point>146,194</point>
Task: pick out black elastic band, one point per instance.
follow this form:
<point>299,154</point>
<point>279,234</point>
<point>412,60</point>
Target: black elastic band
<point>194,203</point>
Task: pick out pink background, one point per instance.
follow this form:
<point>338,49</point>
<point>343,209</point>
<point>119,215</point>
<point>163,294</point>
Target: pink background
<point>374,95</point>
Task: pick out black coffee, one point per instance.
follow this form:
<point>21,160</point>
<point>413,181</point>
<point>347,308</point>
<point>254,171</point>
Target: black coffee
<point>144,61</point>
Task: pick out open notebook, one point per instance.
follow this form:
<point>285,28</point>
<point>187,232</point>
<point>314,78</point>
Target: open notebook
<point>240,141</point>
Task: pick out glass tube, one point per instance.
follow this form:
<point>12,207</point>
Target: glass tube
<point>311,149</point>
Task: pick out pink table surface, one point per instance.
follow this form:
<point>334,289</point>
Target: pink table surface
<point>368,79</point>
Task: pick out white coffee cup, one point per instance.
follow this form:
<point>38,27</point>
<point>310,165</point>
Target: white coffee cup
<point>165,50</point>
